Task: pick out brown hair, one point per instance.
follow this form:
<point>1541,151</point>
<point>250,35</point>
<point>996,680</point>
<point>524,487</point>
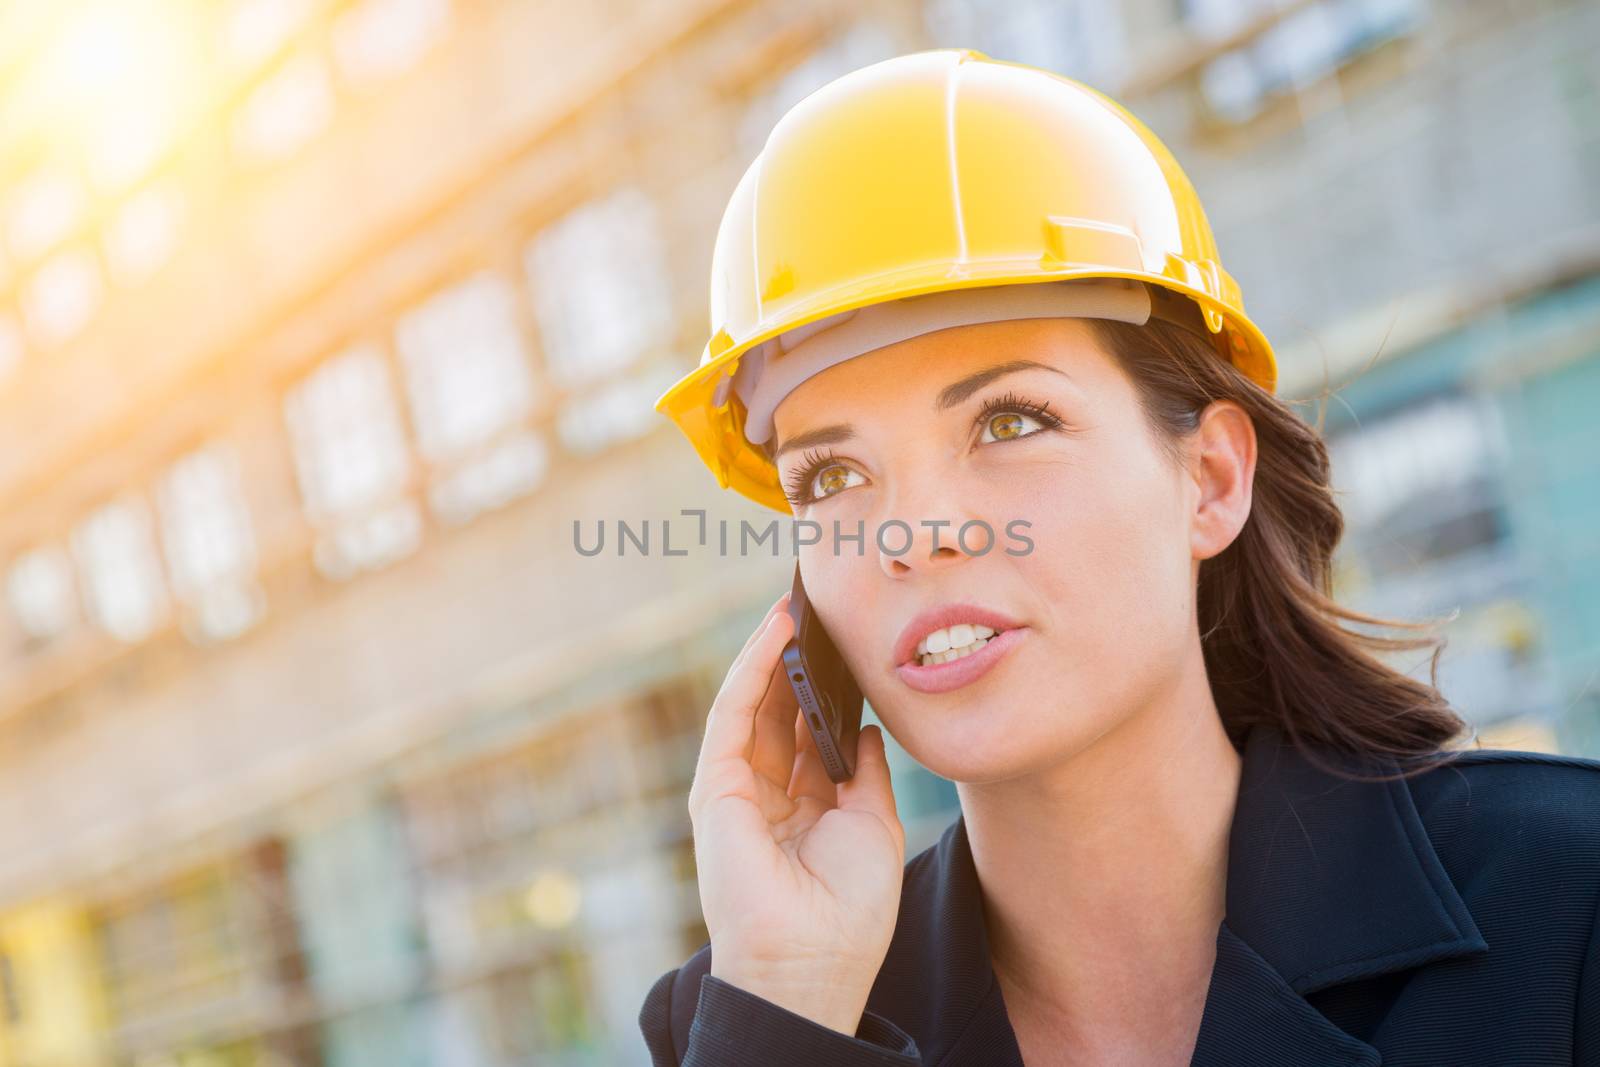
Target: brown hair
<point>1275,646</point>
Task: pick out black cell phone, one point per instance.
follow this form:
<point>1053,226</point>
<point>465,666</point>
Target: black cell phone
<point>829,698</point>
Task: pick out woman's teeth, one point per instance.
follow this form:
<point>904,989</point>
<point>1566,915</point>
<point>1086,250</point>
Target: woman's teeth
<point>953,642</point>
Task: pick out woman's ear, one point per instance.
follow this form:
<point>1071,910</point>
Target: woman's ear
<point>1221,459</point>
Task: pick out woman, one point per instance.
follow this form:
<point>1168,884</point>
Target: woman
<point>1200,821</point>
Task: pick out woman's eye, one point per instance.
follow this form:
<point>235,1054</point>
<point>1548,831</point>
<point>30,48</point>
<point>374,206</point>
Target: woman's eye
<point>832,479</point>
<point>1004,425</point>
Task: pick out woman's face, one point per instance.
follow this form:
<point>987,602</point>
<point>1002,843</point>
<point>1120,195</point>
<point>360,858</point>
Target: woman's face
<point>1030,427</point>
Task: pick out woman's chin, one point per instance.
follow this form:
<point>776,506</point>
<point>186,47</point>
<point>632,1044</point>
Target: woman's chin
<point>974,757</point>
<point>983,747</point>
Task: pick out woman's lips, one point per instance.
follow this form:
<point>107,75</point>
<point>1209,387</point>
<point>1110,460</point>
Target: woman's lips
<point>937,618</point>
<point>944,677</point>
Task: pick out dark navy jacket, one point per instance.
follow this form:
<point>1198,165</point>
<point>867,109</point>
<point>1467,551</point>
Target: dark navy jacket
<point>1446,920</point>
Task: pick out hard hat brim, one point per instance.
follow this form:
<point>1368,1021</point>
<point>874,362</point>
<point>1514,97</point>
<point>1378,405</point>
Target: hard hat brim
<point>717,431</point>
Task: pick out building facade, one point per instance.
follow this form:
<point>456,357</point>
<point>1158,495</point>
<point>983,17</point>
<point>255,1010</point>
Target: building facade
<point>329,338</point>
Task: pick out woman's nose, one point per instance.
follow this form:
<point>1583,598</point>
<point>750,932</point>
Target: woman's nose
<point>922,555</point>
<point>927,522</point>
<point>906,547</point>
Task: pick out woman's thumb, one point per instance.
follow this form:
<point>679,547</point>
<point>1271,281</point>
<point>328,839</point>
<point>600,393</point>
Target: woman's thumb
<point>870,789</point>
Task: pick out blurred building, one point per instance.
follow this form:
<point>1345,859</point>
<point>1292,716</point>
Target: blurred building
<point>322,324</point>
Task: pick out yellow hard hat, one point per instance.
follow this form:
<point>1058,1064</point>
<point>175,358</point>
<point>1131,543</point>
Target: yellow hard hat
<point>932,172</point>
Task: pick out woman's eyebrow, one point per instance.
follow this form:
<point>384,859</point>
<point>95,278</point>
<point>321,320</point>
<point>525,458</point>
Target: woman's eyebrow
<point>822,435</point>
<point>960,389</point>
<point>949,397</point>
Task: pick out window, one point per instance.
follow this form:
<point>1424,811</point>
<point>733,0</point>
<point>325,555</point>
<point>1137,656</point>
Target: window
<point>41,593</point>
<point>378,39</point>
<point>1422,485</point>
<point>600,287</point>
<point>285,111</point>
<point>349,451</point>
<point>115,550</point>
<point>618,411</point>
<point>1296,52</point>
<point>1435,446</point>
<point>352,463</point>
<point>144,233</point>
<point>132,135</point>
<point>468,381</point>
<point>176,948</point>
<point>43,210</point>
<point>599,282</point>
<point>256,28</point>
<point>211,552</point>
<point>465,366</point>
<point>62,296</point>
<point>513,467</point>
<point>1079,38</point>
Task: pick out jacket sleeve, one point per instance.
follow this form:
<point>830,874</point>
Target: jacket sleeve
<point>1586,1039</point>
<point>691,1018</point>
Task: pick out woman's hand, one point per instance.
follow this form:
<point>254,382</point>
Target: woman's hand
<point>799,877</point>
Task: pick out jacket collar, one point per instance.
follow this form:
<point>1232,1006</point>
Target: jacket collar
<point>1329,881</point>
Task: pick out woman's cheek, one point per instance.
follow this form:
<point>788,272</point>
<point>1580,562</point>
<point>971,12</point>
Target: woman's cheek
<point>1099,575</point>
<point>1030,488</point>
<point>835,578</point>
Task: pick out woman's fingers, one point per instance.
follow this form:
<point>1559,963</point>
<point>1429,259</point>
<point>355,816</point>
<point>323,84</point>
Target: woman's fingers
<point>772,743</point>
<point>733,711</point>
<point>778,605</point>
<point>809,777</point>
<point>870,789</point>
<point>781,604</point>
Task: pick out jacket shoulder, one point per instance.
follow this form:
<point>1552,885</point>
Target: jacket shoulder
<point>1503,819</point>
<point>1513,789</point>
<point>1479,757</point>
